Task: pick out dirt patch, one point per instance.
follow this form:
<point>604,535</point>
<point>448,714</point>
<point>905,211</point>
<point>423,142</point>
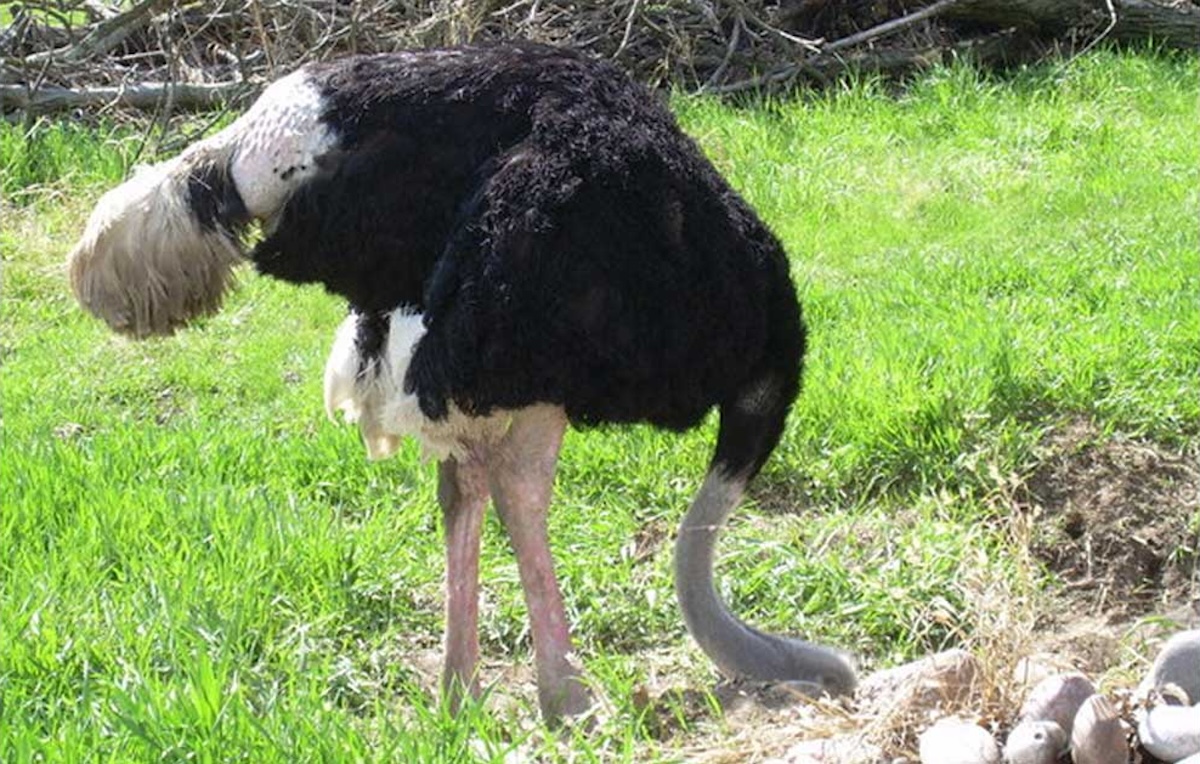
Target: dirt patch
<point>1118,520</point>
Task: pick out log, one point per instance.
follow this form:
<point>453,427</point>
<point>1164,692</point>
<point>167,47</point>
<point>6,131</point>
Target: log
<point>1176,25</point>
<point>145,96</point>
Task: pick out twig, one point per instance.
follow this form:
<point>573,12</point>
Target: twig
<point>734,38</point>
<point>633,9</point>
<point>810,45</point>
<point>1112,23</point>
<point>104,36</point>
<point>887,27</point>
<point>784,73</point>
<point>99,11</point>
<point>256,9</point>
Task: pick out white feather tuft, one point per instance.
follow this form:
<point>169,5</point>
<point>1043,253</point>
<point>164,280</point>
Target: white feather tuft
<point>340,372</point>
<point>373,396</point>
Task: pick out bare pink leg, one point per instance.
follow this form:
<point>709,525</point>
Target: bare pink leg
<point>463,494</point>
<point>522,480</point>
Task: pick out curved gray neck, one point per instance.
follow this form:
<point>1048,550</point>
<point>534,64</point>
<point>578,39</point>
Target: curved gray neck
<point>737,649</point>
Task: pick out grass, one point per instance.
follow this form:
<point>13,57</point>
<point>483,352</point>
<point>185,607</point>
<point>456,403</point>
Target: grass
<point>195,565</point>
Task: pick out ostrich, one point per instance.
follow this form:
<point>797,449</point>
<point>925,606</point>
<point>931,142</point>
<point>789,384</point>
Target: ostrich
<point>525,239</point>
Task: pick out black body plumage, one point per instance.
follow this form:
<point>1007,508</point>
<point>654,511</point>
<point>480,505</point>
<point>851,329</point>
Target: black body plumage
<point>565,241</point>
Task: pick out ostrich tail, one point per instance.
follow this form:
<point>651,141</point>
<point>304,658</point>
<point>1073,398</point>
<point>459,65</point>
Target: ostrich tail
<point>153,256</point>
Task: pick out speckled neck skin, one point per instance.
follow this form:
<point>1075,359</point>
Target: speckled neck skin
<point>278,143</point>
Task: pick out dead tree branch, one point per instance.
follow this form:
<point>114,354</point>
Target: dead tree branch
<point>185,96</point>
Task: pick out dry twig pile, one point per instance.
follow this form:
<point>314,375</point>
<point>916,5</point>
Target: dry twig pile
<point>164,55</point>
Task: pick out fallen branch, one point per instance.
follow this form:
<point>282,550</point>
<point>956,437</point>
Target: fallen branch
<point>1176,26</point>
<point>186,96</point>
<point>888,27</point>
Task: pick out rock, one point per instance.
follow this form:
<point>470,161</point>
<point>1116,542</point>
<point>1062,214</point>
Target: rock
<point>832,750</point>
<point>1035,742</point>
<point>943,678</point>
<point>1057,699</point>
<point>1171,733</point>
<point>1193,759</point>
<point>1098,736</point>
<point>1172,694</point>
<point>953,741</point>
<point>1032,669</point>
<point>1177,663</point>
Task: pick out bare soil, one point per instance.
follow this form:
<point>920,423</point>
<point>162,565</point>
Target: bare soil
<point>1118,521</point>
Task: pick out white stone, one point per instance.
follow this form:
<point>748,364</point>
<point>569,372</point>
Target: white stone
<point>944,678</point>
<point>953,741</point>
<point>1171,733</point>
<point>1177,663</point>
<point>1098,736</point>
<point>1035,742</point>
<point>1057,699</point>
<point>1032,669</point>
<point>836,750</point>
